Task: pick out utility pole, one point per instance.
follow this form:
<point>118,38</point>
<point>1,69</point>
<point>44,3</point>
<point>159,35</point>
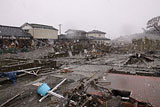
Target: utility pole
<point>60,28</point>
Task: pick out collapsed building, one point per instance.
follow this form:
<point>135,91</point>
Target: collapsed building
<point>148,40</point>
<point>146,44</point>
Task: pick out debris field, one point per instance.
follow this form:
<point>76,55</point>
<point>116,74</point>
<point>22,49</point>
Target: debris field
<point>77,79</point>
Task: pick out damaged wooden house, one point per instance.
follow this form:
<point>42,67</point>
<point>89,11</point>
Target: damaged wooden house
<point>14,37</point>
<point>149,40</point>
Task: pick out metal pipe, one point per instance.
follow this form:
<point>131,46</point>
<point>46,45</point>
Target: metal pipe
<point>59,96</point>
<point>53,90</point>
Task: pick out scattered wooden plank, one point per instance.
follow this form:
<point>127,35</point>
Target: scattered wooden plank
<point>9,100</point>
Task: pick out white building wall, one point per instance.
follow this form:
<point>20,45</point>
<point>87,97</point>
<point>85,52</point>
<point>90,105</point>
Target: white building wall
<point>97,35</point>
<point>44,33</point>
<point>40,33</point>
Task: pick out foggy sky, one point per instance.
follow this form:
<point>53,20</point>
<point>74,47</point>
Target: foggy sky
<point>115,17</point>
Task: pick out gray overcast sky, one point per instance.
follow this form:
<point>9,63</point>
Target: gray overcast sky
<point>115,17</point>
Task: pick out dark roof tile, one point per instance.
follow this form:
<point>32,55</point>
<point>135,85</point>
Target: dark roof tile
<point>13,31</point>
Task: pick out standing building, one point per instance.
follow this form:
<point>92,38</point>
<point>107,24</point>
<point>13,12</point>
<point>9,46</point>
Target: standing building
<point>75,34</point>
<point>10,36</point>
<point>97,36</point>
<point>96,33</point>
<point>39,31</point>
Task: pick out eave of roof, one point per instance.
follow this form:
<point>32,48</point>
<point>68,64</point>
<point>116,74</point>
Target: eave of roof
<point>96,31</point>
<point>75,30</point>
<point>33,25</point>
<point>13,31</point>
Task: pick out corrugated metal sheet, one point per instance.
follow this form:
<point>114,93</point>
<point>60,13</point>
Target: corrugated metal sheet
<point>143,88</point>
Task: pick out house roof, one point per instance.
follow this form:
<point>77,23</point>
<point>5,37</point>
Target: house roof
<point>13,31</point>
<point>75,30</point>
<point>39,26</point>
<point>96,31</point>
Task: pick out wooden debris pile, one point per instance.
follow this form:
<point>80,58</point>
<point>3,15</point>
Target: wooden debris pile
<point>20,67</point>
<point>138,59</point>
<point>91,93</point>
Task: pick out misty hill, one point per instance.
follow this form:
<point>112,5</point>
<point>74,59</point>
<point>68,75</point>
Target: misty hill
<point>128,38</point>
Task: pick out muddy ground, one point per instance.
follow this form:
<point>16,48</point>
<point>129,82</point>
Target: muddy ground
<point>81,68</point>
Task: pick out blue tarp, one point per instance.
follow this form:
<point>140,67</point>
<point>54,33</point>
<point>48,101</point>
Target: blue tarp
<point>10,75</point>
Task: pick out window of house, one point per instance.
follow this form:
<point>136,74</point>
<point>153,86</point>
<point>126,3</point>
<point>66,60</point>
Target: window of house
<point>26,30</point>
